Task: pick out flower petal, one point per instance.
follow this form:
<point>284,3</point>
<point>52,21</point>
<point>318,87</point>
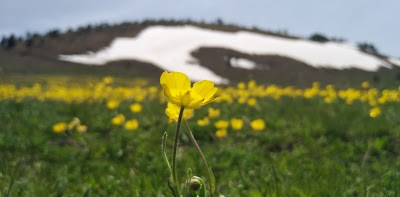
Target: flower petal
<point>205,88</point>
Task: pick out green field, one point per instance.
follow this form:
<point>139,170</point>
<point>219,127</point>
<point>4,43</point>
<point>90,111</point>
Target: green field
<point>308,147</point>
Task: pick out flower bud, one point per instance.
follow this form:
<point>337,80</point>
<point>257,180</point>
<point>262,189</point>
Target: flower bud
<point>194,183</point>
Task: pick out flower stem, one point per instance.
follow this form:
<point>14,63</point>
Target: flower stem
<point>176,185</point>
<point>191,136</point>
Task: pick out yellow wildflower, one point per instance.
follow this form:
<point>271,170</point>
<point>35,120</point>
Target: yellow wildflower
<point>107,80</point>
<point>375,112</point>
<point>221,133</point>
<point>173,110</point>
<point>112,104</point>
<point>241,85</point>
<point>221,124</point>
<point>203,122</point>
<point>81,128</point>
<point>176,86</point>
<point>131,124</point>
<point>257,124</point>
<point>118,120</point>
<point>365,84</point>
<point>60,127</point>
<point>236,123</point>
<point>136,107</point>
<point>75,122</point>
<point>251,102</point>
<point>213,113</point>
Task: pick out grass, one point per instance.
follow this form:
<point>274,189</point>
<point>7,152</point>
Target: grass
<point>309,148</point>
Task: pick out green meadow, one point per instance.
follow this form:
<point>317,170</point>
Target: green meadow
<point>309,147</point>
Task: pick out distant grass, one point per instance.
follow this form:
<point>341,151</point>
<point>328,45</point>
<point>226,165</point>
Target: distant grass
<point>308,149</point>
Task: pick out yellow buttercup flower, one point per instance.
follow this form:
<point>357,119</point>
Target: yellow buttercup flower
<point>81,128</point>
<point>136,108</point>
<point>221,133</point>
<point>203,122</point>
<point>213,113</point>
<point>107,80</point>
<point>177,89</point>
<point>173,110</point>
<point>375,112</point>
<point>252,102</point>
<point>118,120</point>
<point>236,123</point>
<point>74,123</point>
<point>60,127</point>
<point>131,124</point>
<point>257,124</point>
<point>112,104</point>
<point>221,124</point>
<point>365,84</point>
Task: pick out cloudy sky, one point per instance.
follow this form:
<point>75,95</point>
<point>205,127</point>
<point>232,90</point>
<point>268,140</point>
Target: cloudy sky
<point>371,21</point>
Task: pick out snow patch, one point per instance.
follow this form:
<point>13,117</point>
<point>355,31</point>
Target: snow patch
<point>170,47</point>
<point>395,61</point>
<point>242,63</point>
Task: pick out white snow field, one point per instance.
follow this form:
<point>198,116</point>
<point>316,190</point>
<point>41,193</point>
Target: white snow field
<point>169,48</point>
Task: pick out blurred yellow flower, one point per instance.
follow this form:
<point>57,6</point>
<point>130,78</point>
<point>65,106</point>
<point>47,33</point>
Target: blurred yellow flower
<point>375,112</point>
<point>251,102</point>
<point>365,84</point>
<point>257,124</point>
<point>236,123</point>
<point>60,127</point>
<point>81,128</point>
<point>74,123</point>
<point>118,120</point>
<point>177,88</point>
<point>221,133</point>
<point>173,110</point>
<point>131,124</point>
<point>112,104</point>
<point>203,122</point>
<point>241,85</point>
<point>136,107</point>
<point>221,124</point>
<point>213,113</point>
<point>107,80</point>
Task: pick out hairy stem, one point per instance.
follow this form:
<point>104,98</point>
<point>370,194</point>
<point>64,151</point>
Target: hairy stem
<point>208,170</point>
<point>174,177</point>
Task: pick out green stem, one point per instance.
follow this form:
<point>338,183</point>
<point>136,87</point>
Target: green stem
<point>191,136</point>
<point>174,152</point>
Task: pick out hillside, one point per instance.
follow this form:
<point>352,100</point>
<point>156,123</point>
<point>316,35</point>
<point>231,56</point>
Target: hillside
<point>210,51</point>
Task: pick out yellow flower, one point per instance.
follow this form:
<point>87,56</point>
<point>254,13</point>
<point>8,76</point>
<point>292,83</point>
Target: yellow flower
<point>203,122</point>
<point>176,86</point>
<point>236,123</point>
<point>221,124</point>
<point>257,124</point>
<point>107,80</point>
<point>60,127</point>
<point>118,120</point>
<point>75,122</point>
<point>112,104</point>
<point>365,84</point>
<point>81,128</point>
<point>213,113</point>
<point>241,85</point>
<point>135,108</point>
<point>251,102</point>
<point>375,112</point>
<point>131,124</point>
<point>221,133</point>
<point>173,110</point>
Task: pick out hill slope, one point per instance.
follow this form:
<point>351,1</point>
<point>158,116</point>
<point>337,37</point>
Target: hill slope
<point>203,51</point>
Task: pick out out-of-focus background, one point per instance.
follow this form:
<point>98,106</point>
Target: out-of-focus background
<point>308,96</point>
